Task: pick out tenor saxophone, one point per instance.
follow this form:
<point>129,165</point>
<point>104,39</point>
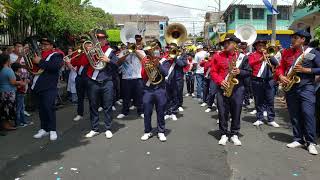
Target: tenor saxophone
<point>292,75</point>
<point>232,81</point>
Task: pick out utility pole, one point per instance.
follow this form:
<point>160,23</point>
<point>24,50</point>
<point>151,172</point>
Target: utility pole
<point>219,6</point>
<point>274,24</point>
<point>194,32</point>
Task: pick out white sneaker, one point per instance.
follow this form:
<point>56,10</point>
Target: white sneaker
<point>100,109</point>
<point>274,124</point>
<point>208,110</point>
<point>214,105</point>
<point>162,137</point>
<point>41,133</point>
<point>217,110</point>
<point>180,109</point>
<point>203,104</point>
<point>253,112</point>
<point>132,108</point>
<point>193,95</point>
<point>167,117</point>
<point>218,121</point>
<point>114,108</point>
<point>53,135</point>
<point>251,101</point>
<point>119,103</point>
<point>187,95</point>
<point>223,141</point>
<point>27,114</point>
<point>294,144</point>
<point>265,114</point>
<point>258,123</point>
<point>108,134</point>
<point>121,100</point>
<point>120,116</point>
<point>174,117</point>
<point>142,116</point>
<point>312,149</point>
<point>146,136</point>
<point>77,118</point>
<point>91,134</point>
<point>236,140</point>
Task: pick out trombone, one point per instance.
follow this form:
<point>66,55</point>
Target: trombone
<point>75,54</point>
<point>271,51</point>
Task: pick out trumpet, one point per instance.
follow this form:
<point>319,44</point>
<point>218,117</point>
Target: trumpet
<point>75,54</point>
<point>271,51</point>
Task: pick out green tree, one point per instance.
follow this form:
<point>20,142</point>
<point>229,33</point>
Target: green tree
<point>54,17</point>
<point>310,3</point>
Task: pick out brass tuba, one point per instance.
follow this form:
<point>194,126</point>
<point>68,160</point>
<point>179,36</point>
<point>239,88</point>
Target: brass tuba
<point>150,66</point>
<point>246,33</point>
<point>176,34</point>
<point>95,53</point>
<point>29,55</point>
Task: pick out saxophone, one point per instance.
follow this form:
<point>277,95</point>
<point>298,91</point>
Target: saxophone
<point>292,75</point>
<point>232,81</point>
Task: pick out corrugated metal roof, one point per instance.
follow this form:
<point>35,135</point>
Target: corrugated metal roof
<point>260,2</point>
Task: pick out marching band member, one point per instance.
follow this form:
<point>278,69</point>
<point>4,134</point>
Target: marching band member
<point>179,76</point>
<point>263,83</point>
<point>132,81</point>
<point>300,61</point>
<point>174,75</point>
<point>199,56</point>
<point>206,64</point>
<point>154,94</point>
<point>81,63</point>
<point>45,88</point>
<point>237,65</point>
<point>100,88</point>
<point>188,70</point>
<point>210,87</point>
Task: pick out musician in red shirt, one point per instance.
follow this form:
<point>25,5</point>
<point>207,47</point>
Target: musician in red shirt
<point>304,62</point>
<point>80,62</point>
<point>262,82</point>
<point>226,63</point>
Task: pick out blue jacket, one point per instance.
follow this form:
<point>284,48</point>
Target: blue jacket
<point>48,79</point>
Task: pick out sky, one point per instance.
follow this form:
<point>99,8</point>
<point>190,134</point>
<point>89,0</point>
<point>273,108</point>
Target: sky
<point>193,19</point>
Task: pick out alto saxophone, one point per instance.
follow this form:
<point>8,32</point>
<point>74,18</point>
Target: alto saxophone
<point>292,75</point>
<point>232,81</point>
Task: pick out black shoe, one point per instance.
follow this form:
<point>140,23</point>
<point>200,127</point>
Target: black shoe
<point>3,133</point>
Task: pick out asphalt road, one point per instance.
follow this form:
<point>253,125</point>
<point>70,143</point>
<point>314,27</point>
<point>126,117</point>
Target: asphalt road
<point>190,153</point>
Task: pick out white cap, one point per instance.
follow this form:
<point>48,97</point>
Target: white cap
<point>132,41</point>
<point>199,47</point>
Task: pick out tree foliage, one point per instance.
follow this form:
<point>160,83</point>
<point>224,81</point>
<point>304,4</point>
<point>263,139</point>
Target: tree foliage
<point>310,3</point>
<point>54,17</point>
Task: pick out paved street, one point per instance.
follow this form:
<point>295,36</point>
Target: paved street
<point>191,152</point>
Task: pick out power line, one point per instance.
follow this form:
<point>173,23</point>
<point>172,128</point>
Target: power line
<point>185,7</point>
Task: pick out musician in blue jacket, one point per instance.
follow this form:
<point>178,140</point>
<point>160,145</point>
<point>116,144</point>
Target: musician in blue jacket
<point>154,93</point>
<point>45,87</point>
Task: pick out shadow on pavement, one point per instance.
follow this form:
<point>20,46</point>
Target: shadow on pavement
<point>281,137</point>
<point>52,151</point>
<point>249,119</point>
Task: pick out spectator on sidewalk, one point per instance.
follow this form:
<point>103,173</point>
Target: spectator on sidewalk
<point>20,95</point>
<point>8,85</point>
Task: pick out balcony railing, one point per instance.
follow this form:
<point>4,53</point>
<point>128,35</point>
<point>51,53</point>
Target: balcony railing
<point>281,25</point>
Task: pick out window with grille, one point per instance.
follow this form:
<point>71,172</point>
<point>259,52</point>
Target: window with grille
<point>283,13</point>
<point>244,13</point>
<point>258,13</point>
